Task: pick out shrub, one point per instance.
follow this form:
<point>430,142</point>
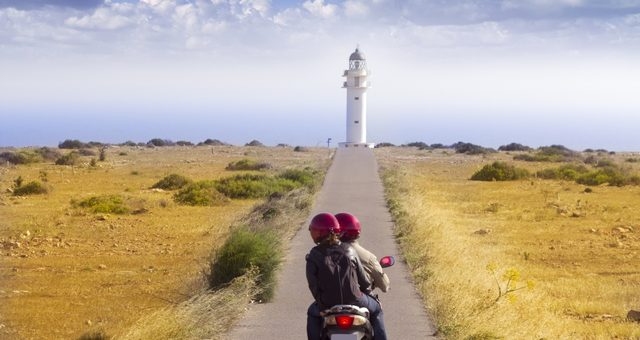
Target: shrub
<point>129,143</point>
<point>160,142</point>
<point>384,145</point>
<point>69,159</point>
<point>569,172</point>
<point>106,204</point>
<point>499,171</point>
<point>103,155</point>
<point>514,147</point>
<point>300,149</point>
<point>307,177</point>
<point>247,164</point>
<point>254,186</point>
<point>48,154</point>
<point>553,153</point>
<point>212,142</point>
<point>71,144</point>
<point>471,149</point>
<point>419,145</point>
<point>86,152</point>
<point>31,188</point>
<point>605,163</point>
<point>184,143</point>
<point>612,176</point>
<point>171,182</point>
<point>203,193</point>
<point>245,249</point>
<point>438,146</point>
<point>254,143</point>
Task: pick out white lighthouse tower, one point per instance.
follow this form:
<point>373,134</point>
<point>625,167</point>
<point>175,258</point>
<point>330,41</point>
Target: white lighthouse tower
<point>356,85</point>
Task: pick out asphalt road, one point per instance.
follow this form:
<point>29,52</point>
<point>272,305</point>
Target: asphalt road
<point>351,185</point>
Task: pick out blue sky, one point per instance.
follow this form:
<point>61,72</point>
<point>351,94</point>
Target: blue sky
<point>537,72</point>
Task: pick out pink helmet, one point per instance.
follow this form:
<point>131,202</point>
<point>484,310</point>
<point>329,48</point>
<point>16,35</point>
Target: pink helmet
<point>350,227</point>
<point>322,225</point>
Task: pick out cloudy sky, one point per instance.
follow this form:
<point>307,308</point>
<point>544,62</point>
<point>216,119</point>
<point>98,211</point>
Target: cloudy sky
<point>490,72</point>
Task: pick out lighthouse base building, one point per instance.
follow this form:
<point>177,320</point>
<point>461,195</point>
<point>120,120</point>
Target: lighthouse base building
<point>356,85</point>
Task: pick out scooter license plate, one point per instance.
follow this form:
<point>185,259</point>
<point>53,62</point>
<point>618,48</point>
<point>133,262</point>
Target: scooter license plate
<point>344,337</point>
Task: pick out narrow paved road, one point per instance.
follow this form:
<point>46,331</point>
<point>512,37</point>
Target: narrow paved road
<point>351,185</point>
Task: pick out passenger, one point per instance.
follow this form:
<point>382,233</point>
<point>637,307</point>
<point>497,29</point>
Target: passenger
<point>336,276</point>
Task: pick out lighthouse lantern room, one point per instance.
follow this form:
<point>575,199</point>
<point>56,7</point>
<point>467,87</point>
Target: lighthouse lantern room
<point>356,85</point>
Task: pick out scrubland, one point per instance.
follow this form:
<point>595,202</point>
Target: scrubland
<point>523,259</point>
<point>70,269</point>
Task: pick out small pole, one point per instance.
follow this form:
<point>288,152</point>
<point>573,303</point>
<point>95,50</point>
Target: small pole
<point>329,145</point>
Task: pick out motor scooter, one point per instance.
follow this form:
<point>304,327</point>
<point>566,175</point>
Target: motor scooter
<point>350,322</point>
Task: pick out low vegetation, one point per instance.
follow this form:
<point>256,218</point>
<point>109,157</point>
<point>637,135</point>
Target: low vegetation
<point>248,165</point>
<point>31,188</point>
<point>541,258</point>
<point>172,182</point>
<point>121,252</point>
<point>106,204</point>
<point>552,153</point>
<point>72,158</point>
<point>254,186</point>
<point>243,251</point>
<point>201,193</point>
<point>499,171</point>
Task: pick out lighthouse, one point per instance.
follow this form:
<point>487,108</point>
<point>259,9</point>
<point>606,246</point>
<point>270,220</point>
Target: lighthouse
<point>356,85</point>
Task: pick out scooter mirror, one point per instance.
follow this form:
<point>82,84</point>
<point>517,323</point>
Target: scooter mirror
<point>387,261</point>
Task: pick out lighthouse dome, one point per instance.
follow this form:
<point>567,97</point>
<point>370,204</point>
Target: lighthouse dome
<point>357,55</point>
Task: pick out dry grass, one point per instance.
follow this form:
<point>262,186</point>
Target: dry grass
<point>67,272</point>
<point>580,250</point>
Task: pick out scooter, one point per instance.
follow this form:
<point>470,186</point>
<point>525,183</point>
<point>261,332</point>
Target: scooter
<point>349,322</point>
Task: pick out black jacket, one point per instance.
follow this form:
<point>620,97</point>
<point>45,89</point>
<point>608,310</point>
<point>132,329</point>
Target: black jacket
<point>326,294</point>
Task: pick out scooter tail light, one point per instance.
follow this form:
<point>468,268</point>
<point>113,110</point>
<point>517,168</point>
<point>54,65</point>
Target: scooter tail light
<point>344,321</point>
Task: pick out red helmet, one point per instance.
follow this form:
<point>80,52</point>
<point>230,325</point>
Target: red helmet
<point>322,225</point>
<point>350,226</point>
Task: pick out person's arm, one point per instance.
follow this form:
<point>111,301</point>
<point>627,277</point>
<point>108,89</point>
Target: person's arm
<point>378,276</point>
<point>363,280</point>
<point>312,277</point>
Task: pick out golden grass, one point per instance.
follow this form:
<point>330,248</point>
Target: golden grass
<point>580,250</point>
<point>66,272</point>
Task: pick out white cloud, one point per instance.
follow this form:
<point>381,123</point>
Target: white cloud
<point>319,8</point>
<point>355,8</point>
<point>103,18</point>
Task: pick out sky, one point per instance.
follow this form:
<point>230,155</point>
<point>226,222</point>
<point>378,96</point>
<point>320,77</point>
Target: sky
<point>492,72</point>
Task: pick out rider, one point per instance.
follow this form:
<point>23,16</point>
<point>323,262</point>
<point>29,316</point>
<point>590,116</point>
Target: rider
<point>350,233</point>
<point>325,232</point>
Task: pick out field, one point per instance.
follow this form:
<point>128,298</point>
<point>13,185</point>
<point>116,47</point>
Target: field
<point>524,259</point>
<point>67,272</point>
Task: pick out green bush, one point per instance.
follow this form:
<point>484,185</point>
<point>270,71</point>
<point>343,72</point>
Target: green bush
<point>171,182</point>
<point>553,153</point>
<point>254,186</point>
<point>21,157</point>
<point>247,165</point>
<point>212,142</point>
<point>203,193</point>
<point>31,188</point>
<point>610,175</point>
<point>569,172</point>
<point>254,143</point>
<point>514,147</point>
<point>72,144</point>
<point>307,177</point>
<point>471,149</point>
<point>106,204</point>
<point>245,249</point>
<point>68,159</point>
<point>499,171</point>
